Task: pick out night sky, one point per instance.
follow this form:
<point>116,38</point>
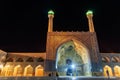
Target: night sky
<point>23,24</point>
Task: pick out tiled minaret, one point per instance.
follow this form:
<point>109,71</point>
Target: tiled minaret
<point>50,22</point>
<point>89,15</point>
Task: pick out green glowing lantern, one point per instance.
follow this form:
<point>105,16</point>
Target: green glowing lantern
<point>89,12</point>
<point>51,12</point>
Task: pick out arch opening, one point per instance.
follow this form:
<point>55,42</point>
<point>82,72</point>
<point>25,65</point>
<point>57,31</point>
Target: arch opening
<point>73,59</point>
<point>28,71</point>
<point>107,71</point>
<point>117,71</point>
<point>39,71</point>
<point>18,70</point>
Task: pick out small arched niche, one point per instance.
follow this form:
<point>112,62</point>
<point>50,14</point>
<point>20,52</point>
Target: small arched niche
<point>39,71</point>
<point>28,71</point>
<point>117,71</point>
<point>8,70</point>
<point>72,59</point>
<point>30,59</point>
<point>9,59</point>
<point>18,70</point>
<point>19,60</point>
<point>107,71</point>
<point>40,59</point>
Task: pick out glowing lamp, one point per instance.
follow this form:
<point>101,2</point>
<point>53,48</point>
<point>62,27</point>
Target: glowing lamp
<point>89,12</point>
<point>1,66</point>
<point>51,12</point>
<point>73,66</point>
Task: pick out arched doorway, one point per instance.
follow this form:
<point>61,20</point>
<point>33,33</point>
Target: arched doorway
<point>28,71</point>
<point>107,71</point>
<point>8,70</point>
<point>117,71</point>
<point>18,70</point>
<point>39,70</point>
<point>78,54</point>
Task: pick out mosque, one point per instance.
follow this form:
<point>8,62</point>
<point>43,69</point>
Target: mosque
<point>67,54</point>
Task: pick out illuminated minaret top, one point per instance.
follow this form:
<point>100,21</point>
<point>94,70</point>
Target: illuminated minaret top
<point>50,22</point>
<point>89,15</point>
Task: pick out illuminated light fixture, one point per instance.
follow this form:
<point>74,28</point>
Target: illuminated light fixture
<point>1,66</point>
<point>89,12</point>
<point>73,66</point>
<point>51,12</point>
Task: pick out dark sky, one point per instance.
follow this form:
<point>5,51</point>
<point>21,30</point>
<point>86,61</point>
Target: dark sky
<point>23,24</point>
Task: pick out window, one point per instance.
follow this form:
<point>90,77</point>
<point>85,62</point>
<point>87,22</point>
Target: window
<point>40,59</point>
<point>19,60</point>
<point>9,60</point>
<point>29,59</point>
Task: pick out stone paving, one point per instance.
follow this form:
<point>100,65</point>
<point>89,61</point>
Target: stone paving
<point>59,78</point>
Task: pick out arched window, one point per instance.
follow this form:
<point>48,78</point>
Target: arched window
<point>18,71</point>
<point>105,59</point>
<point>115,59</point>
<point>30,59</point>
<point>117,71</point>
<point>9,60</point>
<point>8,70</point>
<point>40,59</point>
<point>28,71</point>
<point>107,71</point>
<point>19,60</point>
<point>39,71</point>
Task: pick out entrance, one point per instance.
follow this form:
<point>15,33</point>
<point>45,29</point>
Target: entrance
<point>73,59</point>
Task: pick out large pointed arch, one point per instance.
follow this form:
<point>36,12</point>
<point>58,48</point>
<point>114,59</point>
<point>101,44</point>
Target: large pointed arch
<point>79,55</point>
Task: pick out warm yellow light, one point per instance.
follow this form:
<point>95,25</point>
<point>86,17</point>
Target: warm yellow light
<point>51,12</point>
<point>8,66</point>
<point>89,12</point>
<point>39,70</point>
<point>1,66</point>
<point>18,65</point>
<point>108,71</point>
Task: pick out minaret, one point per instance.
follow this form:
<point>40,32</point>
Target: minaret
<point>50,22</point>
<point>89,15</point>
